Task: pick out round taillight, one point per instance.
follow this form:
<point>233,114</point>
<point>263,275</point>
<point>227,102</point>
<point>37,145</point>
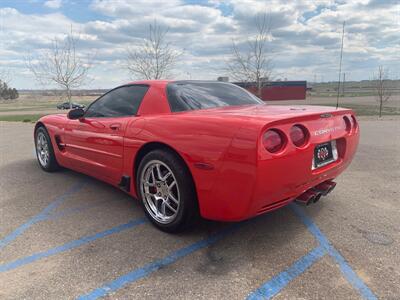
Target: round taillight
<point>273,140</point>
<point>298,135</point>
<point>347,123</point>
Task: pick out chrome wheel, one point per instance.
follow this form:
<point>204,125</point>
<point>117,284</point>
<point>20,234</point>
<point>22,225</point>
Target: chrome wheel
<point>160,192</point>
<point>42,149</point>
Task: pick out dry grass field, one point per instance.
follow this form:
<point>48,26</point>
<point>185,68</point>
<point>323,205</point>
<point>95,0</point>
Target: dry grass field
<point>33,103</point>
<point>30,107</point>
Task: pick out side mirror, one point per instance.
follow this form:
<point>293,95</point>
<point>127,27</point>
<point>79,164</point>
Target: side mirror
<point>76,113</point>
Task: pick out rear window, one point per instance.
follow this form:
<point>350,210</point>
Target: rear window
<point>188,95</point>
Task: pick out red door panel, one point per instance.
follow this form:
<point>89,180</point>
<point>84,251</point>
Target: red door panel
<point>96,145</point>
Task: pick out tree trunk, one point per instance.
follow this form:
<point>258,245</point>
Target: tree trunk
<point>380,107</point>
<point>259,88</point>
<point>69,96</point>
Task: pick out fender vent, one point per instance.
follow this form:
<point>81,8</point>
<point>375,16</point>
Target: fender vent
<point>60,144</point>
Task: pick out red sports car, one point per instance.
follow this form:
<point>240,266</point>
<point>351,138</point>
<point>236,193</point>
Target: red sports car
<point>197,148</point>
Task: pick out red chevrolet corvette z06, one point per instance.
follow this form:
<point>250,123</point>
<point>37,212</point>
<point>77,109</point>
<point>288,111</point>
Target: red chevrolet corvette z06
<point>195,148</point>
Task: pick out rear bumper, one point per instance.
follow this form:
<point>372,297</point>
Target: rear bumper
<point>245,190</point>
<point>285,188</point>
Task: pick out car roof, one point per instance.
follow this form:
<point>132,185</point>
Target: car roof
<point>163,83</point>
<point>156,82</point>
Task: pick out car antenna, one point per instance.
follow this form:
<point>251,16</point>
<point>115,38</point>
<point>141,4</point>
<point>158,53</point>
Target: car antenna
<point>340,68</point>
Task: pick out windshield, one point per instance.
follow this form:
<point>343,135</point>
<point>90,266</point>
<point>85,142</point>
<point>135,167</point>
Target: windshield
<point>190,95</point>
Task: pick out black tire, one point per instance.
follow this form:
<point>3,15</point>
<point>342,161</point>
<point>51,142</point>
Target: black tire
<point>188,212</point>
<point>52,164</point>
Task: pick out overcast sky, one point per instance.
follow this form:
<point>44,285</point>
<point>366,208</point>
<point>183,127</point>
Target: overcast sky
<point>304,44</point>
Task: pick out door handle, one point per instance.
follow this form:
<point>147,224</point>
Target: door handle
<point>115,126</point>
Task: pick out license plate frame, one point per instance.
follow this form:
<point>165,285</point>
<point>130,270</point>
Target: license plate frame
<point>324,154</point>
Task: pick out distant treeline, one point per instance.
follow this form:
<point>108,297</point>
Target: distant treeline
<point>364,84</point>
<point>82,92</point>
<point>7,93</point>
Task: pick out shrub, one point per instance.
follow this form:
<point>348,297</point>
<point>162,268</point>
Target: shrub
<point>7,93</point>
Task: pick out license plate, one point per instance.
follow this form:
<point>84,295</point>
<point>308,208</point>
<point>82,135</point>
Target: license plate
<point>324,154</point>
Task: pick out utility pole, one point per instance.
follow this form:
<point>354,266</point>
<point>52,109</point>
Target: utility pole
<point>344,83</point>
<point>340,69</point>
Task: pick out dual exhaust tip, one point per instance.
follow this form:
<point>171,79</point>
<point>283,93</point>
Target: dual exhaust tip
<point>314,194</point>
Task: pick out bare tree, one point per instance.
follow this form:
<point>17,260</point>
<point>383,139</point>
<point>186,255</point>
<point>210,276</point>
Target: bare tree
<point>61,65</point>
<point>154,58</point>
<point>381,87</point>
<point>253,64</point>
<point>5,76</point>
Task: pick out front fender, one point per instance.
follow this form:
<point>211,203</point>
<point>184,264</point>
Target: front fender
<point>55,126</point>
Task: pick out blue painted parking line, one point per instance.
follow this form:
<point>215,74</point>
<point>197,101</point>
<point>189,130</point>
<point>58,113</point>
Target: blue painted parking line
<point>70,245</point>
<point>278,282</point>
<point>154,266</point>
<point>41,216</point>
<point>347,271</point>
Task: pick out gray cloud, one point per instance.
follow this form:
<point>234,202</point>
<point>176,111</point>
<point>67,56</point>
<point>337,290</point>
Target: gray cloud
<point>305,36</point>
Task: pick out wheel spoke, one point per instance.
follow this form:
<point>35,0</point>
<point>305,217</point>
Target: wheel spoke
<point>170,207</point>
<point>165,177</point>
<point>163,205</point>
<point>149,184</point>
<point>172,197</point>
<point>153,200</point>
<point>153,177</point>
<point>158,172</point>
<point>173,183</point>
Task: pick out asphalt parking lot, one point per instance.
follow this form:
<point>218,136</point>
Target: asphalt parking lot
<point>66,236</point>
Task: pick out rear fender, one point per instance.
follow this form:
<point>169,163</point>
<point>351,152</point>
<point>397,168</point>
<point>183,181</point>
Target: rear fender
<point>201,142</point>
<point>234,185</point>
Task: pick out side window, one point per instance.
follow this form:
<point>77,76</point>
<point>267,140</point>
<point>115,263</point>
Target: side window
<point>123,101</point>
